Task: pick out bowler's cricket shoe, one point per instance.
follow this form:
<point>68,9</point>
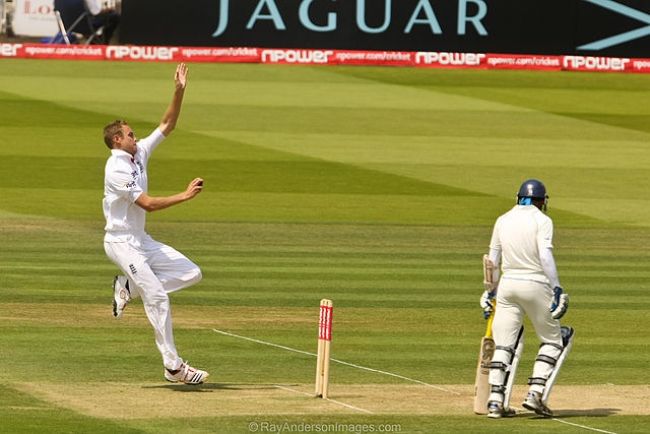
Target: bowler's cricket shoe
<point>534,403</point>
<point>186,374</point>
<point>121,295</point>
<point>496,410</point>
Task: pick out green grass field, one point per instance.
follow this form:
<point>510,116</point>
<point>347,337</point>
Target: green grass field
<point>376,187</point>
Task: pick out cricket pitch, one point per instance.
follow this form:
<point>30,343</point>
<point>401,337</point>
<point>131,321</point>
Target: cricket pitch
<point>228,399</point>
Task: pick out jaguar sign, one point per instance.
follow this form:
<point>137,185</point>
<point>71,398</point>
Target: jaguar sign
<point>570,27</point>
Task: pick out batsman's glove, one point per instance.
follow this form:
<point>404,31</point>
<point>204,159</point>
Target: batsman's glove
<point>560,303</point>
<point>487,303</point>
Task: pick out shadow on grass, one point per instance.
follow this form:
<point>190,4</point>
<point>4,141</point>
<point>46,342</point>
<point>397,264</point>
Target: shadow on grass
<point>590,412</point>
<point>209,387</point>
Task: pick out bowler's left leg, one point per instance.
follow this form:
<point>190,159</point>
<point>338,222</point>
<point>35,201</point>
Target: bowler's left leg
<point>174,270</point>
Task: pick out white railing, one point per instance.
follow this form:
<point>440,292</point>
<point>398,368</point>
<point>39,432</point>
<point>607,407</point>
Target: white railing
<point>3,18</point>
<point>6,11</point>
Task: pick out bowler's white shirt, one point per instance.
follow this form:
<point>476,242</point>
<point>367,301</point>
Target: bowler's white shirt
<point>125,179</point>
<point>519,235</point>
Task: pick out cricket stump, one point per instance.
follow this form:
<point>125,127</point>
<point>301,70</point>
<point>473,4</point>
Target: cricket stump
<point>324,341</point>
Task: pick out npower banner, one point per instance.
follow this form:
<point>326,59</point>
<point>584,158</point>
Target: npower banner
<point>573,27</point>
<point>309,56</point>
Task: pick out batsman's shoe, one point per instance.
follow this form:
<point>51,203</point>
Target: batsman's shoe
<point>186,374</point>
<point>496,410</point>
<point>121,295</point>
<point>534,403</point>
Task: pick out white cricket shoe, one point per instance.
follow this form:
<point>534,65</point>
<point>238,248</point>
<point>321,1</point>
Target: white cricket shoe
<point>496,410</point>
<point>186,374</point>
<point>534,403</point>
<point>121,295</point>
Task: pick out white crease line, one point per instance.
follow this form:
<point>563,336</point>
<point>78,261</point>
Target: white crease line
<point>264,342</point>
<point>583,426</point>
<point>363,410</point>
<point>395,375</point>
<point>270,344</point>
<point>524,411</point>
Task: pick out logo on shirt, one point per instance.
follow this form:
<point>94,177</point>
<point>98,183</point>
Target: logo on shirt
<point>130,184</point>
<point>135,173</point>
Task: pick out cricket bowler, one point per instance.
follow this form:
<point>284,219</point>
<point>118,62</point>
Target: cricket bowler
<point>151,270</point>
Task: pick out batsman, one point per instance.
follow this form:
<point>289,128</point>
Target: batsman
<point>521,252</point>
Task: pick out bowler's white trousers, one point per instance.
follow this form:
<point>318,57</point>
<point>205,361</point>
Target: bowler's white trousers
<point>154,270</point>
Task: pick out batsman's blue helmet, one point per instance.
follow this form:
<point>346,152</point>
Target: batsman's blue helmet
<point>531,189</point>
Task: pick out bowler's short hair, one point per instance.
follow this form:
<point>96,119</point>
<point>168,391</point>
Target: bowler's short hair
<point>113,129</point>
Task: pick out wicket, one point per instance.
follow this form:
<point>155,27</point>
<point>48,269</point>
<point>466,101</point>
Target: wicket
<point>324,341</point>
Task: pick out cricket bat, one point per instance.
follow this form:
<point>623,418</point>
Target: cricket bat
<point>481,385</point>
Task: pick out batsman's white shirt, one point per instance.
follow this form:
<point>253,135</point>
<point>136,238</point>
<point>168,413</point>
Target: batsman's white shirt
<point>125,179</point>
<point>519,235</point>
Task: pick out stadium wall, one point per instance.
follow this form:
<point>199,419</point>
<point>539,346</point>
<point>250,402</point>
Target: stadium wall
<point>561,35</point>
<point>610,28</point>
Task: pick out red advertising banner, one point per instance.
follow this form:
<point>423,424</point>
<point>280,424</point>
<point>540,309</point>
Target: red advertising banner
<point>525,61</point>
<point>418,59</point>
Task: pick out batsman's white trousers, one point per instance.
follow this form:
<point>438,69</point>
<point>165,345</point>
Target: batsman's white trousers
<point>516,298</point>
<point>154,270</point>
